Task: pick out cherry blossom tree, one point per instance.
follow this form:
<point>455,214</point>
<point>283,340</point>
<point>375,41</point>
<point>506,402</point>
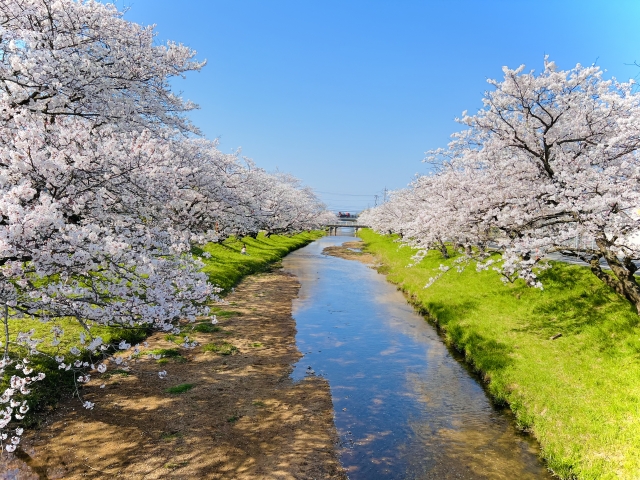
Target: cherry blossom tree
<point>85,113</point>
<point>549,163</point>
<point>68,58</point>
<point>225,195</point>
<point>103,187</point>
<point>287,206</point>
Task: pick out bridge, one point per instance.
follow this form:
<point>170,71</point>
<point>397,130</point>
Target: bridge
<point>345,222</point>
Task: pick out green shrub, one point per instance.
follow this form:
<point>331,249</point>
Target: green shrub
<point>224,348</point>
<point>205,328</point>
<point>182,388</point>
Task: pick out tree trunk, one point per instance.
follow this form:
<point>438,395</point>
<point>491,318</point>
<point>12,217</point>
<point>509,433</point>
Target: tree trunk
<point>443,249</point>
<point>623,280</point>
<point>6,331</point>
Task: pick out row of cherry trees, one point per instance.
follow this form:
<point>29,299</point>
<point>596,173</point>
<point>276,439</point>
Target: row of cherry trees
<point>105,185</point>
<point>549,163</point>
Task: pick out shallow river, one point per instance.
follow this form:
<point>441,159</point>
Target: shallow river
<point>405,408</point>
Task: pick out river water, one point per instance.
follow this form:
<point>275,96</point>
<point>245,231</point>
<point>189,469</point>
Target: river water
<point>405,408</point>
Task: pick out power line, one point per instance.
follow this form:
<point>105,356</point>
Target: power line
<point>345,194</point>
<point>342,208</point>
<point>347,207</point>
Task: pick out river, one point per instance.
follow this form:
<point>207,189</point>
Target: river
<point>405,407</point>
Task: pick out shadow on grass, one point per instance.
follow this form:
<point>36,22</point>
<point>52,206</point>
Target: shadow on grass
<point>577,302</point>
<point>483,353</point>
<point>444,313</point>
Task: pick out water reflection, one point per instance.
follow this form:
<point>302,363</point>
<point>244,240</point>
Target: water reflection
<point>404,407</point>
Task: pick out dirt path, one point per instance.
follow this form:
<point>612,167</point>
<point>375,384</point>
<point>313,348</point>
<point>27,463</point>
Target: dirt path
<point>243,418</point>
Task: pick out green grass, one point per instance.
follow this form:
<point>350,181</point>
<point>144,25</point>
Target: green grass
<point>169,436</point>
<point>170,337</point>
<point>223,349</point>
<point>165,352</point>
<point>118,371</point>
<point>182,388</point>
<point>168,355</point>
<point>579,395</point>
<point>221,314</point>
<point>205,328</point>
<point>45,394</point>
<point>225,268</point>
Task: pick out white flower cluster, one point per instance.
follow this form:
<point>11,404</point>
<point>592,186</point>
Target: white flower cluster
<point>186,343</point>
<point>15,409</point>
<point>484,266</point>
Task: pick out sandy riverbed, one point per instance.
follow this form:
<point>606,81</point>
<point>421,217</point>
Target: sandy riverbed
<point>350,251</point>
<point>243,419</point>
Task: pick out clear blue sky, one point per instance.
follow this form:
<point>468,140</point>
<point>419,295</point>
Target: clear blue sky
<point>348,95</point>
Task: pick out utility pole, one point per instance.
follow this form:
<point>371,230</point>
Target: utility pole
<point>385,195</point>
<point>376,200</point>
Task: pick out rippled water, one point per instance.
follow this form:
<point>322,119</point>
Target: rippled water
<point>405,408</point>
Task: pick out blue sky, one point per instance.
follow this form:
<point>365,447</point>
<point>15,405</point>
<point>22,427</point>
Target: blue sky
<point>348,95</point>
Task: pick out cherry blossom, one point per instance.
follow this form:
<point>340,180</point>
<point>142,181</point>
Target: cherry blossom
<point>549,163</point>
<point>105,187</point>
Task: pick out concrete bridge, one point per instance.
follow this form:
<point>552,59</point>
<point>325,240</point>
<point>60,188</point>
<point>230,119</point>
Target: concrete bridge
<point>351,222</point>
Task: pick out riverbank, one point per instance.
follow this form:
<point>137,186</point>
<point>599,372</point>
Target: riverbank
<point>405,406</point>
<point>224,264</point>
<point>227,408</point>
<point>577,394</point>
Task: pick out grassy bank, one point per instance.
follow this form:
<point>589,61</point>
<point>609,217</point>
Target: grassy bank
<point>579,394</point>
<point>225,267</point>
